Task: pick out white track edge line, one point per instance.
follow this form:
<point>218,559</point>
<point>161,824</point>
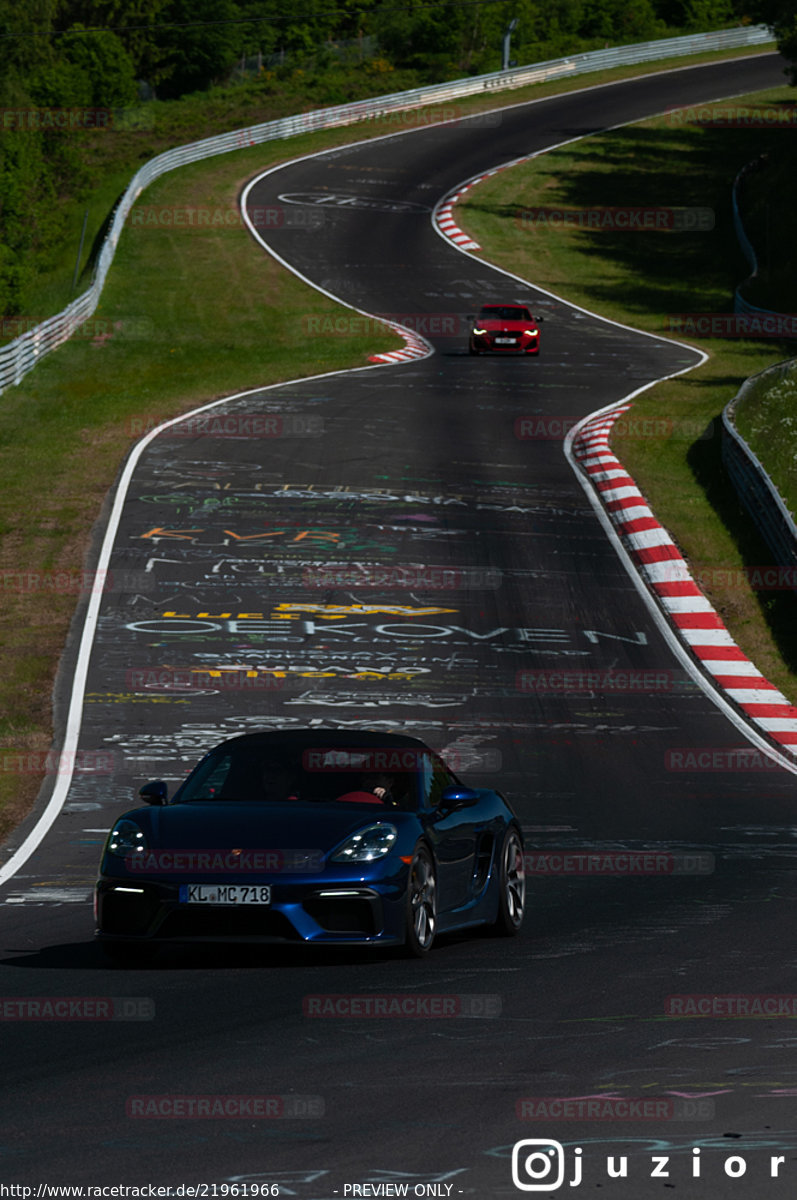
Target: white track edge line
<point>656,612</point>
<point>660,620</point>
<point>74,715</point>
<point>74,721</point>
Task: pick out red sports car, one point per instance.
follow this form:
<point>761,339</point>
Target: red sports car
<point>504,328</point>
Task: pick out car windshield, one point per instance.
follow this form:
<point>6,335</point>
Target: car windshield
<point>499,312</point>
<point>266,774</point>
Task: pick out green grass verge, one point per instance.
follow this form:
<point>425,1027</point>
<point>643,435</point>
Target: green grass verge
<point>184,330</point>
<point>640,279</point>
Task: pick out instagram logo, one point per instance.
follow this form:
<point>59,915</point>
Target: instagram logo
<point>538,1165</point>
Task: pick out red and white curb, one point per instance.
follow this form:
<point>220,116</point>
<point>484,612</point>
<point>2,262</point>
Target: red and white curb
<point>448,226</point>
<point>443,217</point>
<point>414,347</point>
<point>661,564</point>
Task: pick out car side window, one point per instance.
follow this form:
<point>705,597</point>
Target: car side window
<point>436,778</point>
<point>218,776</point>
<point>210,779</point>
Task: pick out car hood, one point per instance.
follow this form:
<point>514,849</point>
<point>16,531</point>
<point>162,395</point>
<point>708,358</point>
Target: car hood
<point>226,824</point>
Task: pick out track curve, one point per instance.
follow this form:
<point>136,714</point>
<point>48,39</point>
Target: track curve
<point>232,534</point>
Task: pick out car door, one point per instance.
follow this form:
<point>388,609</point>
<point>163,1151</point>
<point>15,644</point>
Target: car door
<point>452,831</point>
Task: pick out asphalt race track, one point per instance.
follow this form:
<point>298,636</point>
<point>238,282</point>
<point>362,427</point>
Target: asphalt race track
<point>224,560</point>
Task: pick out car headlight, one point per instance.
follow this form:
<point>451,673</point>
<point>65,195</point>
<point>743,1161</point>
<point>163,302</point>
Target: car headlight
<point>126,839</point>
<point>531,332</point>
<point>373,842</point>
<point>479,332</point>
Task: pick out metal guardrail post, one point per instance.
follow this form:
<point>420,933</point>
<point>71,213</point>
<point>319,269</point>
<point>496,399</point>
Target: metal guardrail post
<point>751,482</point>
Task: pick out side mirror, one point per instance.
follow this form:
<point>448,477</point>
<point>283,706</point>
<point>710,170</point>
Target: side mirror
<point>155,792</point>
<point>540,320</point>
<point>459,797</point>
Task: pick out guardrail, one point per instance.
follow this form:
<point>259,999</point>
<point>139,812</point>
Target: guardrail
<point>740,303</point>
<point>784,321</point>
<point>745,245</point>
<point>21,356</point>
<point>751,482</point>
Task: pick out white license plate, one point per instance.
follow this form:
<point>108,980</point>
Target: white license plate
<point>505,341</point>
<point>224,893</point>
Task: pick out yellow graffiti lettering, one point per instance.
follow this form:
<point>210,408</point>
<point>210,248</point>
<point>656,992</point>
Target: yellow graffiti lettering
<point>185,535</point>
<point>253,537</point>
<point>317,535</point>
<point>328,611</point>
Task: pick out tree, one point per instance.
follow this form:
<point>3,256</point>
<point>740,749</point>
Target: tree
<point>26,41</point>
<point>133,22</point>
<point>199,42</point>
<point>415,36</point>
<point>104,62</point>
<point>781,16</point>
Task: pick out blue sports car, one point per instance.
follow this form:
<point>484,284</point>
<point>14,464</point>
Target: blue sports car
<point>311,836</point>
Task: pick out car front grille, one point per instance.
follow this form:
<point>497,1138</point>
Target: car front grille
<point>208,921</point>
<point>345,914</point>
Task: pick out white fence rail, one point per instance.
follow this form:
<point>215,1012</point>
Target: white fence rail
<point>22,355</point>
<point>753,485</point>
